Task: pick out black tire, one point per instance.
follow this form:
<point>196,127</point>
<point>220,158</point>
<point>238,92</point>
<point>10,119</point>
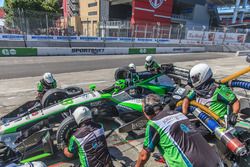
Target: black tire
<point>6,153</point>
<point>245,106</point>
<point>248,58</point>
<point>53,96</point>
<point>65,131</point>
<point>121,73</point>
<point>73,91</point>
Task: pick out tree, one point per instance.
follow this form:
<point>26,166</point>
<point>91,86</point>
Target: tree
<point>29,9</point>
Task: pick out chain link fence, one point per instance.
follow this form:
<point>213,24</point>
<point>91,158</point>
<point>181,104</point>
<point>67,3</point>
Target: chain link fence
<point>43,23</point>
<point>28,22</point>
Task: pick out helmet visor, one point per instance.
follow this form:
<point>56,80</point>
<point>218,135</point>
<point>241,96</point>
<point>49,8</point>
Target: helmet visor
<point>195,78</point>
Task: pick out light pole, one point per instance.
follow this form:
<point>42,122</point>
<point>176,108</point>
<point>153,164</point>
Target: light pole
<point>180,33</point>
<point>225,35</point>
<point>203,35</point>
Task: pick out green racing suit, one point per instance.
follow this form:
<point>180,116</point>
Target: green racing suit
<point>43,87</point>
<point>153,67</point>
<point>178,142</point>
<point>218,100</point>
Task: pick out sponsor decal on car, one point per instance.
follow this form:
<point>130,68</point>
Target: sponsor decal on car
<point>34,113</point>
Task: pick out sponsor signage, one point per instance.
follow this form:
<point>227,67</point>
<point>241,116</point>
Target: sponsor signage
<point>18,51</point>
<point>216,37</point>
<point>12,37</point>
<point>152,11</point>
<point>156,3</point>
<point>142,50</point>
<point>87,51</point>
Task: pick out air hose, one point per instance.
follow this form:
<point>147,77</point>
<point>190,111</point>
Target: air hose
<point>206,110</point>
<point>239,84</point>
<point>222,134</point>
<point>235,75</point>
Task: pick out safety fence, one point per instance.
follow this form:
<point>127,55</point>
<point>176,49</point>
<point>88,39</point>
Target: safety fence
<point>195,38</point>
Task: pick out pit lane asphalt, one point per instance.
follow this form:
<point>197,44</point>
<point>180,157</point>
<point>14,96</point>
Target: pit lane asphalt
<point>15,91</point>
<point>19,67</point>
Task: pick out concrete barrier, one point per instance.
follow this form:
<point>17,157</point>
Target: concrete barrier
<point>80,51</point>
<point>114,50</point>
<point>180,49</point>
<point>6,52</point>
<point>243,53</point>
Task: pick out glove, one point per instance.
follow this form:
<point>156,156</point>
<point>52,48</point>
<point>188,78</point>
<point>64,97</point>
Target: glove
<point>132,164</point>
<point>232,119</point>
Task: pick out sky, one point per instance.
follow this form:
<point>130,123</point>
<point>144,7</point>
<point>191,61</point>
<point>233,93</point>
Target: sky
<point>1,3</point>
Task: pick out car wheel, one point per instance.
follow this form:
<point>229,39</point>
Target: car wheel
<point>65,131</point>
<point>53,96</point>
<point>245,106</point>
<point>121,73</point>
<point>6,153</point>
<point>73,91</point>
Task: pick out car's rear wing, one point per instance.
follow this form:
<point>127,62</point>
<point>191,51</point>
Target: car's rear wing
<point>175,72</point>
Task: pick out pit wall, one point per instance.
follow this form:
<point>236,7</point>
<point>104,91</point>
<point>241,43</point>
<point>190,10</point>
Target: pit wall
<point>58,51</point>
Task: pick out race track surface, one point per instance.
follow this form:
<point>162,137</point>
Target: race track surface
<point>19,76</point>
<point>18,67</point>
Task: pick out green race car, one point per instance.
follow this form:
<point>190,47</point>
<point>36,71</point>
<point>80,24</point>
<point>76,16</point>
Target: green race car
<point>33,130</point>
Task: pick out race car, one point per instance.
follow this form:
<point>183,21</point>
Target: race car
<point>38,132</point>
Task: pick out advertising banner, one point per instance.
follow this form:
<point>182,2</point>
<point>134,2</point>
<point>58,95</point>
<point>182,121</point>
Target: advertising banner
<point>12,37</point>
<point>81,51</point>
<point>142,50</point>
<point>151,11</point>
<point>179,49</point>
<point>18,52</point>
<point>216,37</point>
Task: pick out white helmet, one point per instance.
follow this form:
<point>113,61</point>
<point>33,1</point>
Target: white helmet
<point>199,74</point>
<point>82,114</point>
<point>48,78</point>
<point>132,66</point>
<point>149,60</point>
<point>35,163</point>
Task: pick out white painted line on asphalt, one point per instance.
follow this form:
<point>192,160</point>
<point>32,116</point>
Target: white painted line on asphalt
<point>20,91</point>
<point>83,83</point>
<point>63,86</point>
<point>11,98</point>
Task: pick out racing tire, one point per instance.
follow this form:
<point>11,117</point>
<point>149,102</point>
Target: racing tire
<point>65,131</point>
<point>121,73</point>
<point>6,153</point>
<point>245,106</point>
<point>53,96</point>
<point>73,91</point>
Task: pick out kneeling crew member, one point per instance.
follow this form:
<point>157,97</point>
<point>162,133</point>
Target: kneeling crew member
<point>88,141</point>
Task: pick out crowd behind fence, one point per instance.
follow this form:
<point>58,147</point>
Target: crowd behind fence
<point>43,23</point>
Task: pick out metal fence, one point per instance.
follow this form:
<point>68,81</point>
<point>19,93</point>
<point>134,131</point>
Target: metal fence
<point>42,23</point>
<point>35,23</point>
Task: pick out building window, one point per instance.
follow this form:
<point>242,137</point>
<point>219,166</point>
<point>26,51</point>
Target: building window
<point>92,13</point>
<point>92,4</point>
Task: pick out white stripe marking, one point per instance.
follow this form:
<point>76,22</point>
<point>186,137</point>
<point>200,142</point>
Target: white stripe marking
<point>145,9</point>
<point>162,16</point>
<point>84,83</point>
<point>11,98</point>
<point>63,86</point>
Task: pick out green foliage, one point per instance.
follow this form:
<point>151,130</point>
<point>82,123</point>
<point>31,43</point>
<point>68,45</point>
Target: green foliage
<point>13,8</point>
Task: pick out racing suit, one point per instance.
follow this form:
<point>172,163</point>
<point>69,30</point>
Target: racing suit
<point>90,144</point>
<point>29,164</point>
<point>178,142</point>
<point>133,77</point>
<point>43,87</point>
<point>218,99</point>
<point>154,67</point>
